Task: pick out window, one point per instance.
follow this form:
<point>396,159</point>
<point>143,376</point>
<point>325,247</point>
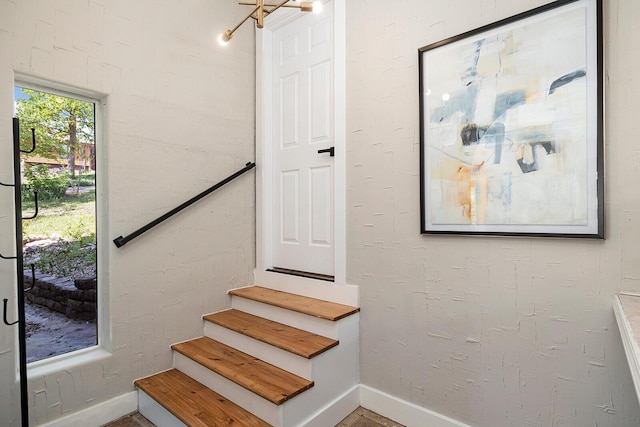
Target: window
<point>61,308</point>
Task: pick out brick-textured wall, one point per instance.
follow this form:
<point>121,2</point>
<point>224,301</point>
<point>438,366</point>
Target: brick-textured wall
<point>177,116</point>
<point>490,331</point>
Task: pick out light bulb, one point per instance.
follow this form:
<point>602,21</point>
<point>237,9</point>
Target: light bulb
<point>223,39</point>
<point>315,7</point>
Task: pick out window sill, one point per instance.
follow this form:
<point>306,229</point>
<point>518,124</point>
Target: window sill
<point>66,361</point>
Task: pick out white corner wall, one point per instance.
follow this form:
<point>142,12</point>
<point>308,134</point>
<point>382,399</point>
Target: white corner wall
<point>491,332</point>
<point>178,117</point>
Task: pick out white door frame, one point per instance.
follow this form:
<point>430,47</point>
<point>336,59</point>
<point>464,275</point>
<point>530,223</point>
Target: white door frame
<point>264,142</point>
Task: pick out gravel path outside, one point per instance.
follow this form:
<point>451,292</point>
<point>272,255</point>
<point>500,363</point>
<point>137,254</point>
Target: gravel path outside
<point>50,333</point>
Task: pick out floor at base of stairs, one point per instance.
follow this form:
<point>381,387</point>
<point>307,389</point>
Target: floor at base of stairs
<point>359,418</point>
<point>364,418</point>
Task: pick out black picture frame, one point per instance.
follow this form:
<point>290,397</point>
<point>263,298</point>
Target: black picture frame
<point>511,126</point>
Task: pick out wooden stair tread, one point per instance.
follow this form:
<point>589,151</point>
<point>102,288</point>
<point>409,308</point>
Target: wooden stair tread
<point>301,304</point>
<point>268,381</point>
<point>293,340</point>
<point>193,403</point>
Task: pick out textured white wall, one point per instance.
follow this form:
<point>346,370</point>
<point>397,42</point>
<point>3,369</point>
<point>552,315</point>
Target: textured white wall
<point>490,331</point>
<point>179,117</point>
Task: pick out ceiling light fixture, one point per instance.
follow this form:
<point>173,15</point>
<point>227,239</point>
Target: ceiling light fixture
<point>262,9</point>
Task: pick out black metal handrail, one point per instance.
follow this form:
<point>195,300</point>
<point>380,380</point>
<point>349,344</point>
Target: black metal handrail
<point>121,241</point>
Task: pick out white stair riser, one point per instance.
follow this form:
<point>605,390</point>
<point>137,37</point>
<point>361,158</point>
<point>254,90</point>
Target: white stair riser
<point>239,395</point>
<point>156,413</point>
<point>312,324</point>
<point>281,358</point>
<point>328,291</point>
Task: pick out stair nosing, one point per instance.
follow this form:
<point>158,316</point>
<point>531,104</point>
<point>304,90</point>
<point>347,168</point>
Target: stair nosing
<point>185,348</point>
<point>262,338</point>
<point>345,310</point>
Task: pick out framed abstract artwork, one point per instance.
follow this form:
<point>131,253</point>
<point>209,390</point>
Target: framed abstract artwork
<point>511,126</point>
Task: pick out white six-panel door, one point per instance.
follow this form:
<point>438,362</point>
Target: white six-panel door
<point>302,123</point>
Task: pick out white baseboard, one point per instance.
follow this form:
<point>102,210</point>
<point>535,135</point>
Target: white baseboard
<point>99,414</point>
<point>389,406</point>
<point>337,410</point>
<point>404,412</point>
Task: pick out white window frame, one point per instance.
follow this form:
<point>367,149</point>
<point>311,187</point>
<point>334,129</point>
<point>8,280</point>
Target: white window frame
<point>104,346</point>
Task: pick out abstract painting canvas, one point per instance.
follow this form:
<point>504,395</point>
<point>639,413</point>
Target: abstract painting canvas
<point>511,126</point>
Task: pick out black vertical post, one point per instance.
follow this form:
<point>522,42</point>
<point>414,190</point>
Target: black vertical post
<point>22,335</point>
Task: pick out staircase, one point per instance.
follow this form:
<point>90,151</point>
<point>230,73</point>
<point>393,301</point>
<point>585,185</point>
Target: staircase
<point>273,359</point>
